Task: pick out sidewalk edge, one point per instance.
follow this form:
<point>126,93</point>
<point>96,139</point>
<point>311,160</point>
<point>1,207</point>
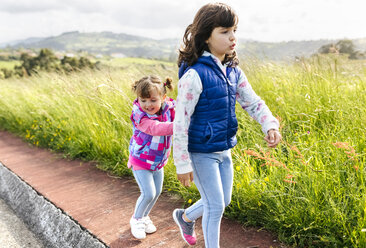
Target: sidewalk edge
<point>53,226</point>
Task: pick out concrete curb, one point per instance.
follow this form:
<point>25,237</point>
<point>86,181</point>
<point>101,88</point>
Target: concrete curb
<point>54,227</point>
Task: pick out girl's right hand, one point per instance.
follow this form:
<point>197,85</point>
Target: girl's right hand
<point>185,179</point>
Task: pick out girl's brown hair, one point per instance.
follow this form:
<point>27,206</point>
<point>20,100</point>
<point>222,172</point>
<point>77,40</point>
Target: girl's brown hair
<point>208,17</point>
<point>144,86</point>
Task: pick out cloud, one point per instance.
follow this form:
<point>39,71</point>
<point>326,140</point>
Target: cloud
<point>28,6</point>
<point>260,20</point>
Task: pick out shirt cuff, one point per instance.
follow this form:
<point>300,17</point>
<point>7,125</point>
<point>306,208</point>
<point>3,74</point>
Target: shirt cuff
<point>183,169</point>
<point>271,125</point>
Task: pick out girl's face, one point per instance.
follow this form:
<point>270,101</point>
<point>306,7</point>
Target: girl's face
<point>222,41</point>
<point>152,104</point>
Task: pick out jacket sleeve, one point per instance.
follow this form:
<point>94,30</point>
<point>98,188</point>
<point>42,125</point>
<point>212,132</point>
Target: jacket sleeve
<point>189,91</point>
<point>254,105</point>
<point>155,127</point>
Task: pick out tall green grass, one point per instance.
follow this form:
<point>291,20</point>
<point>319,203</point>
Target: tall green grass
<point>310,190</point>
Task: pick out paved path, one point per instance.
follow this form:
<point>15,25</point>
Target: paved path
<point>103,205</point>
<point>13,232</point>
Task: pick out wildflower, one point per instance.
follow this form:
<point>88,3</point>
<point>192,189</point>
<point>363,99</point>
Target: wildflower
<point>266,179</point>
<point>289,181</point>
<point>349,150</point>
<point>267,157</point>
<point>252,153</point>
<point>190,201</point>
<point>237,168</point>
<point>298,154</point>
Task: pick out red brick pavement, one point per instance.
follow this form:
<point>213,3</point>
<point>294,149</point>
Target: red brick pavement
<point>103,204</point>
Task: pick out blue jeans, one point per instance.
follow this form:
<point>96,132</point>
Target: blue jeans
<point>150,184</point>
<point>213,176</point>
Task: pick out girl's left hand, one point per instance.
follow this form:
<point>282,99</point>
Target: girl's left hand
<point>273,138</point>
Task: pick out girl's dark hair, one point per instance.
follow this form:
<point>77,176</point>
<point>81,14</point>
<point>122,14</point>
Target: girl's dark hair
<point>207,18</point>
<point>144,86</point>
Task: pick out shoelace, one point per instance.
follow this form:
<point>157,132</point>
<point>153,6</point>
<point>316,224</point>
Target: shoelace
<point>187,227</point>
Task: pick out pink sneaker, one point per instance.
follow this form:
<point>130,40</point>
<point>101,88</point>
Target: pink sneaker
<point>186,228</point>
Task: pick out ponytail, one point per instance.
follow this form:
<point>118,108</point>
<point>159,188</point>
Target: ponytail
<point>168,84</point>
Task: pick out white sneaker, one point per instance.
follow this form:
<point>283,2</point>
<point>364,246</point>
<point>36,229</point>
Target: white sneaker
<point>149,226</point>
<point>138,228</point>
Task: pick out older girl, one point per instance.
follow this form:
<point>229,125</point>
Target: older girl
<point>205,125</point>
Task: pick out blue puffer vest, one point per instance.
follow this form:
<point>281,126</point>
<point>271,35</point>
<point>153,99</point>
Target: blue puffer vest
<point>213,124</point>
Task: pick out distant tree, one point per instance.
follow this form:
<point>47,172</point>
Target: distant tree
<point>29,64</point>
<point>328,48</point>
<point>69,64</point>
<point>85,63</point>
<point>346,46</point>
<point>5,73</point>
<point>46,60</point>
<point>341,47</point>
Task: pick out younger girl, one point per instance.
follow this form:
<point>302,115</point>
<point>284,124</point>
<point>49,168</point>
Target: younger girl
<point>152,116</point>
<point>205,125</point>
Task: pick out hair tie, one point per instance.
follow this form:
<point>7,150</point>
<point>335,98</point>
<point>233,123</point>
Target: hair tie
<point>164,84</point>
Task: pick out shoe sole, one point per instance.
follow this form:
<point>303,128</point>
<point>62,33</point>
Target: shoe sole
<point>137,237</point>
<point>150,232</point>
<point>180,229</point>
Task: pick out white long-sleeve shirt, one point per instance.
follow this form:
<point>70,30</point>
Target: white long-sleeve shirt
<point>189,91</point>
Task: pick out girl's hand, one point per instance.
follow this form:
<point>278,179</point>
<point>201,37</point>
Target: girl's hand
<point>185,179</point>
<point>273,138</point>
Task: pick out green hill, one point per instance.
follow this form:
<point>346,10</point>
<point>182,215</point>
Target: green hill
<point>109,43</point>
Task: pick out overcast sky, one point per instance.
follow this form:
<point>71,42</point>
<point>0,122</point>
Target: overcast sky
<point>262,20</point>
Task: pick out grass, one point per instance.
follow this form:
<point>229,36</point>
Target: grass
<point>9,64</point>
<point>310,190</point>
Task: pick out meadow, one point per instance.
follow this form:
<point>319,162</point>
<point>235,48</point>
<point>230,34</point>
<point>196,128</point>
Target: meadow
<point>9,64</point>
<point>310,190</point>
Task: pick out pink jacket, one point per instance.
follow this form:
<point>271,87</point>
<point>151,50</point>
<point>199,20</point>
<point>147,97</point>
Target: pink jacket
<point>151,140</point>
